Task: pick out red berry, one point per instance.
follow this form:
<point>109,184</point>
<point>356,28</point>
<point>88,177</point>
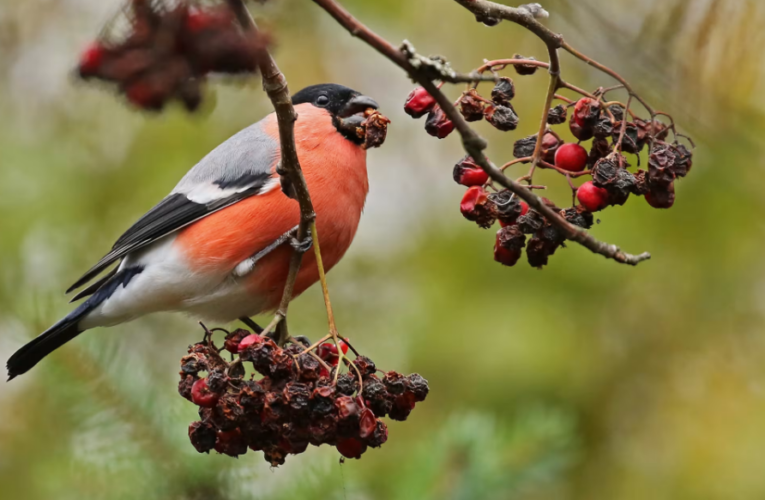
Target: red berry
<point>419,103</point>
<point>571,157</point>
<point>367,423</point>
<point>248,341</point>
<point>505,256</point>
<point>592,197</point>
<point>585,110</point>
<point>437,124</point>
<point>468,173</point>
<point>201,395</point>
<point>473,197</point>
<point>351,448</point>
<point>328,352</point>
<point>91,59</point>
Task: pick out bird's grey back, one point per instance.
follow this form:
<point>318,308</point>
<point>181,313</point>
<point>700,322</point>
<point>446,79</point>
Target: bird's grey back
<point>238,162</point>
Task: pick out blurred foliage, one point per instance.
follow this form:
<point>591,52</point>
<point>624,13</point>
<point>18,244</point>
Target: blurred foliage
<point>587,380</point>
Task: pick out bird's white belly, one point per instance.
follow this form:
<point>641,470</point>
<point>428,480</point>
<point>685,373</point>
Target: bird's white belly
<point>167,284</point>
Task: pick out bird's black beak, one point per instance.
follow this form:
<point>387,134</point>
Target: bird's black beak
<point>357,104</point>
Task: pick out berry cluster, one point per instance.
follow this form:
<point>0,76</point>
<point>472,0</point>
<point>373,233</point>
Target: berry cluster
<point>370,126</point>
<point>613,130</point>
<point>298,398</point>
<point>168,51</point>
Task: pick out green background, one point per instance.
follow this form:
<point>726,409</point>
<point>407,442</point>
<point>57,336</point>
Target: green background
<point>586,380</point>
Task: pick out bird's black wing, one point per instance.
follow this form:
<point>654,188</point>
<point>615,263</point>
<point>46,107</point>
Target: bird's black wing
<point>171,214</point>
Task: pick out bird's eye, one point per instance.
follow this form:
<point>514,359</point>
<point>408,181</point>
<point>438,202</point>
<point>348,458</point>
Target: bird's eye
<point>322,100</point>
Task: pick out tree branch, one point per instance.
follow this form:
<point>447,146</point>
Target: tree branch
<point>275,85</point>
<point>473,143</point>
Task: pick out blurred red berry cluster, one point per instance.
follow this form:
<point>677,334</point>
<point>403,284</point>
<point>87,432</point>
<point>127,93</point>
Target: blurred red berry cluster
<point>294,397</point>
<point>168,50</point>
<point>613,129</point>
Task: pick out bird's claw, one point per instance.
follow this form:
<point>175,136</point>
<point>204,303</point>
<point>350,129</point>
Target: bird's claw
<point>302,246</point>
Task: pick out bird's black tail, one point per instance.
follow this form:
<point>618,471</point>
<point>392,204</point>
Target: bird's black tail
<point>45,343</point>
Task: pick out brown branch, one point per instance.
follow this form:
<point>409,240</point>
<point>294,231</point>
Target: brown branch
<point>275,85</point>
<point>473,143</point>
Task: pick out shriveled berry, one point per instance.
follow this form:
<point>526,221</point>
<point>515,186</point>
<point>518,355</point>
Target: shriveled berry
<point>193,363</point>
<point>394,382</point>
<point>248,341</point>
<point>379,436</point>
<point>419,103</point>
<point>571,157</point>
<point>502,117</point>
<point>508,206</point>
<point>634,137</point>
<point>586,112</point>
<point>504,91</point>
<point>367,423</point>
<point>662,197</point>
<point>531,222</point>
<point>201,395</point>
<point>524,148</point>
<point>226,415</point>
<point>557,115</point>
<point>661,164</point>
<point>581,133</point>
<point>402,407</point>
<point>231,443</point>
<point>419,387</point>
<point>186,384</point>
<point>217,380</point>
<point>322,401</point>
<point>471,106</point>
<point>683,160</point>
<point>322,431</point>
<point>252,397</point>
<point>351,447</point>
<point>202,436</point>
<point>524,69</point>
<point>539,250</point>
<point>591,197</point>
<point>578,216</point>
<point>297,397</point>
<point>610,173</point>
<point>347,384</point>
<point>468,173</point>
<point>508,247</point>
<point>476,206</point>
<point>438,124</point>
<point>365,366</point>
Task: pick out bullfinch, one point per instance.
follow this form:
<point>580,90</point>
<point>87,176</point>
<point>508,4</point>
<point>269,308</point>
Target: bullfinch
<point>212,248</point>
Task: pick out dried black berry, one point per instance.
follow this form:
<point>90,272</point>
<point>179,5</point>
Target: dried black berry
<point>502,117</point>
<point>557,115</point>
<point>504,91</point>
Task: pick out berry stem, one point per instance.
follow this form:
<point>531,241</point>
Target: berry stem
<point>618,146</point>
<point>513,162</point>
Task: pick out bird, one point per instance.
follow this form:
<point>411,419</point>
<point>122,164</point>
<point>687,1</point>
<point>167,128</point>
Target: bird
<point>194,252</point>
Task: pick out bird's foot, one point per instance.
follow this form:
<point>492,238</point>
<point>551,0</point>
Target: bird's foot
<point>303,245</point>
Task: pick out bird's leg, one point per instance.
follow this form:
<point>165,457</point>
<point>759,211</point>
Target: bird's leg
<point>246,266</point>
<point>303,245</point>
<point>256,328</point>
